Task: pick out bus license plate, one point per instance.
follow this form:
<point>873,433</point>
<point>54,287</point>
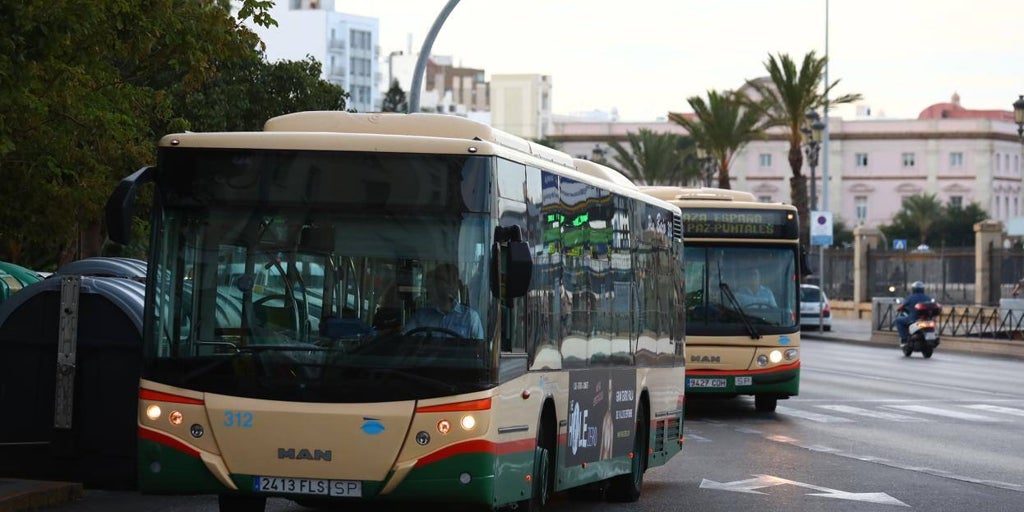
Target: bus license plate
<point>744,381</point>
<point>707,383</point>
<point>342,488</point>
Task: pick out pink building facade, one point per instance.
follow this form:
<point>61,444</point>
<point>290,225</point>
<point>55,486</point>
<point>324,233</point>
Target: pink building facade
<point>962,156</point>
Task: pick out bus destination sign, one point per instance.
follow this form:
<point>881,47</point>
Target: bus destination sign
<point>739,223</point>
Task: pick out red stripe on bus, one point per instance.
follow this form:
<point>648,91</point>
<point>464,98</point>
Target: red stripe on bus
<point>482,404</point>
<point>783,368</point>
<point>168,441</point>
<point>148,394</point>
<point>478,446</point>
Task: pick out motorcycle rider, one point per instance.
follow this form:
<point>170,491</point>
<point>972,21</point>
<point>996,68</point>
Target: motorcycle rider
<point>916,296</point>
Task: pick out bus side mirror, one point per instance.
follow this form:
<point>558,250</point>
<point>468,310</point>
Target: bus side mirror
<point>515,266</point>
<point>121,205</point>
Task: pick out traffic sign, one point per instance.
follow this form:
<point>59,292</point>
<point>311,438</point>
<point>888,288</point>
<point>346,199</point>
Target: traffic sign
<point>821,228</point>
<point>899,244</point>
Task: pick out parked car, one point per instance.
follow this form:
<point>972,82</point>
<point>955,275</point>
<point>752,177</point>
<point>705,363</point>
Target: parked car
<point>813,301</point>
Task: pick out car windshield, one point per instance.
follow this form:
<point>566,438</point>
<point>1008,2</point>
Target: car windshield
<point>810,294</point>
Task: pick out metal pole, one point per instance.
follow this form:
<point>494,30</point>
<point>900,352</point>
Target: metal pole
<point>421,60</point>
<point>824,165</point>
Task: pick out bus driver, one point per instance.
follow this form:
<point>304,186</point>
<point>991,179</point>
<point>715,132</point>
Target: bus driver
<point>445,311</point>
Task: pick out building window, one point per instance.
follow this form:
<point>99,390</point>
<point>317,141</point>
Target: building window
<point>956,201</point>
<point>861,206</point>
<point>860,160</point>
<point>765,159</point>
<point>956,159</point>
<point>908,159</point>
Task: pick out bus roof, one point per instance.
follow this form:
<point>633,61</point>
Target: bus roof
<point>422,124</point>
<point>380,132</point>
<point>670,193</point>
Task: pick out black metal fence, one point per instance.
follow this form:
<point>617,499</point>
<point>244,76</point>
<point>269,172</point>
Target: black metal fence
<point>948,273</point>
<point>961,321</point>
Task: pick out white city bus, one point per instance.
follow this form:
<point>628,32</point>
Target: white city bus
<point>742,294</point>
<point>264,378</point>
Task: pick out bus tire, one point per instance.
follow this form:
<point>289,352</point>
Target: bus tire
<point>241,503</point>
<point>543,467</point>
<point>626,488</point>
<point>765,403</point>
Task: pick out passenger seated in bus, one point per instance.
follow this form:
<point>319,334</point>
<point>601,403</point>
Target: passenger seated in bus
<point>753,292</point>
<point>445,311</point>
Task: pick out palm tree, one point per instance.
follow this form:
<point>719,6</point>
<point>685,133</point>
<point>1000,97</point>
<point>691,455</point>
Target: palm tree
<point>652,158</point>
<point>784,99</point>
<point>921,211</point>
<point>721,126</point>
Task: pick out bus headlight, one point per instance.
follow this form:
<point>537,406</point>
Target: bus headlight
<point>468,422</point>
<point>153,412</point>
<point>791,354</point>
<point>775,356</point>
<point>762,360</point>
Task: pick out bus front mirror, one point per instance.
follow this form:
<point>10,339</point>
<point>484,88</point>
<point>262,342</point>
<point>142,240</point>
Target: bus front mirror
<point>121,206</point>
<point>519,270</point>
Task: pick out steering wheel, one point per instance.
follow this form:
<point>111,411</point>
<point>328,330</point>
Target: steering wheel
<point>261,302</point>
<point>428,332</point>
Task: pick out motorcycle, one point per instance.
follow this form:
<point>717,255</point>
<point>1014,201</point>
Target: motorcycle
<point>922,334</point>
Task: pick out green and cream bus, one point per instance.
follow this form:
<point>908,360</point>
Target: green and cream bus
<point>285,353</point>
<point>742,294</point>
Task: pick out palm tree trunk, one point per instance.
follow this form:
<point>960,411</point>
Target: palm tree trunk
<point>798,190</point>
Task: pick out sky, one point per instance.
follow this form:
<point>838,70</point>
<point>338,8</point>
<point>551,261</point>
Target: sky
<point>644,58</point>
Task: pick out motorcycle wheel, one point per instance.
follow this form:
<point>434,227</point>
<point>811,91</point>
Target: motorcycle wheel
<point>907,349</point>
<point>926,352</point>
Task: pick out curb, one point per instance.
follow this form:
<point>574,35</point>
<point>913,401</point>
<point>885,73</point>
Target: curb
<point>26,495</point>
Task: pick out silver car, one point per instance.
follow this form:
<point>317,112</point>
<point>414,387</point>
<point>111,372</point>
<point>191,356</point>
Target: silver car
<point>814,304</point>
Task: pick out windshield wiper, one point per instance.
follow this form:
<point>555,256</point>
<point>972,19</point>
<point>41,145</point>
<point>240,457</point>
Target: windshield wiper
<point>754,334</point>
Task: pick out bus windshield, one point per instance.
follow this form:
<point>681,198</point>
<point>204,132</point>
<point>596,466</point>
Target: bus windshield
<point>740,290</point>
<point>283,277</point>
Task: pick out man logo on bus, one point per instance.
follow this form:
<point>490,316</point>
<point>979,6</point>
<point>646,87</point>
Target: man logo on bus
<point>304,454</point>
<point>705,359</point>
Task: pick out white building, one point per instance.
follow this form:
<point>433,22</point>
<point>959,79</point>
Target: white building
<point>521,105</point>
<point>345,44</point>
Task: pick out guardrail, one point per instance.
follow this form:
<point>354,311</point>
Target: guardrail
<point>1003,322</point>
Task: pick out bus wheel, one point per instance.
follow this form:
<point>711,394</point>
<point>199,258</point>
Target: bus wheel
<point>241,503</point>
<point>765,403</point>
<point>543,469</point>
<point>626,488</point>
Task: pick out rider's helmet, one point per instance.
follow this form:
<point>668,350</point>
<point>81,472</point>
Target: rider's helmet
<point>917,287</point>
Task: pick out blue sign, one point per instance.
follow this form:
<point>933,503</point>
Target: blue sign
<point>899,244</point>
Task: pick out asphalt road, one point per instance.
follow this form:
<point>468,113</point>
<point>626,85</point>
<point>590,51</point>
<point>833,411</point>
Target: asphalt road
<point>871,430</point>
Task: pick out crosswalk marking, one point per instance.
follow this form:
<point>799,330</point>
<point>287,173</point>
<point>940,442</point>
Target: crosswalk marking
<point>813,416</point>
<point>997,408</point>
<point>880,415</point>
<point>924,409</point>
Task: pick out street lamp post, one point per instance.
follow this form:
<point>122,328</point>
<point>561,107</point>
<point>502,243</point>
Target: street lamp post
<point>1018,116</point>
<point>812,144</point>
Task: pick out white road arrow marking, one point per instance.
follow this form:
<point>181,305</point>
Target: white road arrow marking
<point>750,486</point>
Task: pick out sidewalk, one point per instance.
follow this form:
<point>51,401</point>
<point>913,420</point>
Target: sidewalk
<point>24,495</point>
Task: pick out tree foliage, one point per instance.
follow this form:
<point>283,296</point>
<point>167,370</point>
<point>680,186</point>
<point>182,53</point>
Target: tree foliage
<point>723,126</point>
<point>922,218</point>
<point>784,99</point>
<point>395,100</point>
<point>86,90</point>
<point>652,158</point>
